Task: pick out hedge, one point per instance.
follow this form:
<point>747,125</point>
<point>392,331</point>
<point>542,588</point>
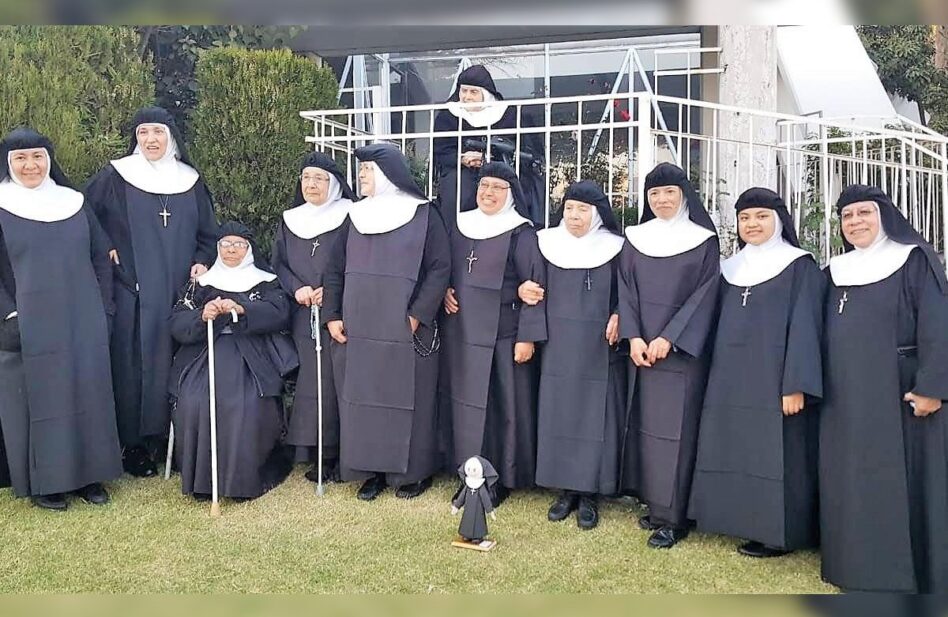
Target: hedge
<point>248,135</point>
<point>79,85</point>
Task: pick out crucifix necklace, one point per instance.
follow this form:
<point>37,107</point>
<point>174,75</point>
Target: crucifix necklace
<point>588,281</point>
<point>470,260</point>
<point>315,246</point>
<point>842,301</point>
<point>747,292</point>
<point>164,214</point>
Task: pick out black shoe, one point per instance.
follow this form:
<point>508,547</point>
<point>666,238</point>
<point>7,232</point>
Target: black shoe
<point>372,487</point>
<point>645,522</point>
<point>138,462</point>
<point>667,537</point>
<point>410,491</point>
<point>587,516</point>
<point>94,494</point>
<point>201,497</point>
<point>761,551</point>
<point>498,493</point>
<point>56,501</point>
<point>564,504</point>
<point>330,473</point>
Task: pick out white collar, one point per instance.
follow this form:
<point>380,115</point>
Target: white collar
<point>388,209</point>
<point>476,225</point>
<point>46,203</point>
<point>308,220</point>
<point>753,265</point>
<point>878,261</point>
<point>564,250</point>
<point>239,279</point>
<point>166,176</point>
<point>474,483</point>
<point>488,115</point>
<point>661,238</point>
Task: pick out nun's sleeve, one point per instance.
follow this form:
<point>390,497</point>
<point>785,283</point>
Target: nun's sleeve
<point>689,328</point>
<point>270,312</point>
<point>614,287</point>
<point>281,264</point>
<point>99,247</point>
<point>803,366</point>
<point>99,193</point>
<point>931,378</point>
<point>630,325</point>
<point>531,327</point>
<point>458,501</point>
<point>483,494</point>
<point>187,327</point>
<point>7,295</point>
<point>334,277</point>
<point>445,148</point>
<point>206,251</point>
<point>435,271</point>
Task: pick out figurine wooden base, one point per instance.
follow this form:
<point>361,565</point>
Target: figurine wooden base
<point>483,545</point>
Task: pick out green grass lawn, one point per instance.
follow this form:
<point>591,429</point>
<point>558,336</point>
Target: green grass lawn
<point>150,538</point>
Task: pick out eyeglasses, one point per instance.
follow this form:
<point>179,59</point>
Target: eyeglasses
<point>492,186</point>
<point>315,179</point>
<point>226,244</point>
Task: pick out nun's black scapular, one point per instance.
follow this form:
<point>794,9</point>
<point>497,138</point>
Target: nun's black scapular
<point>583,383</point>
<point>56,409</point>
<point>301,249</point>
<point>884,471</point>
<point>493,398</point>
<point>159,218</point>
<point>390,263</point>
<point>755,476</point>
<point>251,358</point>
<point>497,116</point>
<point>668,285</point>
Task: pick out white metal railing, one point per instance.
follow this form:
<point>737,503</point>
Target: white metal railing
<point>725,150</point>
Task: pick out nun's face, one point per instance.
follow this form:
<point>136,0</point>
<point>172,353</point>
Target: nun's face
<point>152,140</point>
<point>473,468</point>
<point>860,223</point>
<point>314,182</point>
<point>756,225</point>
<point>578,217</point>
<point>366,179</point>
<point>30,166</point>
<point>665,201</point>
<point>471,94</point>
<point>232,250</point>
<point>492,195</point>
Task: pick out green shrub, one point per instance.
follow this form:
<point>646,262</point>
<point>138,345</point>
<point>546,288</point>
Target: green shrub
<point>248,135</point>
<point>79,85</point>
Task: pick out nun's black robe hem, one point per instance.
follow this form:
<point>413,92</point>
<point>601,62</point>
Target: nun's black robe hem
<point>755,476</point>
<point>251,358</point>
<point>884,471</point>
<point>155,263</point>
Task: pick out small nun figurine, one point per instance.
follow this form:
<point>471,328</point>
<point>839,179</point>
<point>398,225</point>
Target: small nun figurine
<point>477,475</point>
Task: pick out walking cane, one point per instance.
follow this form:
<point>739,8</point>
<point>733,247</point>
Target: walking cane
<point>215,505</point>
<point>314,332</point>
<point>170,450</point>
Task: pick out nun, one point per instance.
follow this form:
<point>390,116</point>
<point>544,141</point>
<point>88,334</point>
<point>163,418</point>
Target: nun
<point>477,107</point>
<point>383,286</point>
<point>301,249</point>
<point>883,433</point>
<point>249,309</point>
<point>668,285</point>
<point>157,214</point>
<point>755,477</point>
<point>583,382</point>
<point>57,417</point>
<point>491,336</point>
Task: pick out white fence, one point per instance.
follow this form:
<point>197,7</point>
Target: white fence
<point>617,138</point>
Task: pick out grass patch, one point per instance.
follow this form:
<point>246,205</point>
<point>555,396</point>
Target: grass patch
<point>150,538</point>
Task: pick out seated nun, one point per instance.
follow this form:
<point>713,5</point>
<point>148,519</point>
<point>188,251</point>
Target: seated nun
<point>883,465</point>
<point>249,310</point>
<point>57,417</point>
<point>755,477</point>
<point>490,336</point>
<point>581,416</point>
<point>475,107</point>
